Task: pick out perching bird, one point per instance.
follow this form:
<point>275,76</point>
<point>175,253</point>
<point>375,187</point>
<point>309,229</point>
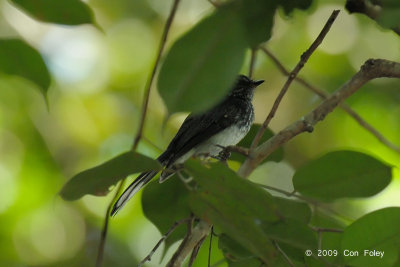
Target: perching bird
<point>204,134</point>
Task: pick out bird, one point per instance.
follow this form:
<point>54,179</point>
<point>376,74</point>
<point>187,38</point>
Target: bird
<point>204,134</point>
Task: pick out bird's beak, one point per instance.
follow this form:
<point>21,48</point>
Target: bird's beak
<point>257,83</point>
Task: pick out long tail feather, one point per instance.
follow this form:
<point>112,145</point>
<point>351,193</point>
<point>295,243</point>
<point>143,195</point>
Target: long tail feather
<point>132,189</point>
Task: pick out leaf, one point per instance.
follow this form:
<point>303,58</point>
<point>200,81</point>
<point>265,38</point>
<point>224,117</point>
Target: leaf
<point>233,204</point>
<point>342,174</point>
<point>202,65</point>
<point>164,204</point>
<point>293,209</point>
<point>248,139</point>
<point>232,250</point>
<point>258,18</point>
<point>384,12</point>
<point>97,180</point>
<point>290,5</point>
<point>69,12</point>
<point>379,231</point>
<point>293,233</point>
<point>18,58</point>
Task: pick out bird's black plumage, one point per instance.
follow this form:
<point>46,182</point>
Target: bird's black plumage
<point>203,134</point>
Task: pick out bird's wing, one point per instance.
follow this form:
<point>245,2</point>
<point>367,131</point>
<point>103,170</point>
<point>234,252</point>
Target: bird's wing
<point>198,128</point>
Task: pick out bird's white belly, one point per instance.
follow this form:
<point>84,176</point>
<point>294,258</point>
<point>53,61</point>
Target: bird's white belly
<point>228,137</point>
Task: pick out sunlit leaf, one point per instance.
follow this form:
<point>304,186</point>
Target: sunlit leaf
<point>202,65</point>
<point>97,180</point>
<point>233,204</point>
<point>342,174</point>
<point>18,58</point>
<point>376,231</point>
<point>164,204</point>
<point>246,142</point>
<point>69,12</point>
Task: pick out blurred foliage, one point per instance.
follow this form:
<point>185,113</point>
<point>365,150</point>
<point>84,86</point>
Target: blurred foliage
<point>94,83</point>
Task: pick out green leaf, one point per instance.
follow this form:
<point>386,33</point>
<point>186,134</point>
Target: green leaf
<point>18,58</point>
<point>290,5</point>
<point>248,139</point>
<point>258,18</point>
<point>293,233</point>
<point>384,12</point>
<point>164,204</point>
<point>69,12</point>
<point>202,65</point>
<point>293,209</point>
<point>233,204</point>
<point>97,180</point>
<point>232,250</point>
<point>377,231</point>
<point>342,174</point>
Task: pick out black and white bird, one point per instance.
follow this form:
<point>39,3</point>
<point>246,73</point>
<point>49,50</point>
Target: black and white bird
<point>202,134</point>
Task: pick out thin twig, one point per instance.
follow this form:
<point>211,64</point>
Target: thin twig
<point>372,69</point>
<point>103,236</point>
<point>253,58</point>
<point>164,237</point>
<point>303,60</point>
<point>321,93</point>
<point>153,72</point>
<point>311,201</point>
<point>141,126</point>
<point>288,260</point>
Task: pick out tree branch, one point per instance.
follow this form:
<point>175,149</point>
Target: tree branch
<point>344,106</point>
<point>99,260</point>
<point>303,60</point>
<point>372,68</point>
<point>199,232</point>
<point>154,71</point>
<point>164,237</point>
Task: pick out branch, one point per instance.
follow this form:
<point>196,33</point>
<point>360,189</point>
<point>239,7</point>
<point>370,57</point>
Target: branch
<point>99,260</point>
<point>344,106</point>
<point>154,71</point>
<point>372,68</point>
<point>165,236</point>
<point>103,235</point>
<point>191,240</point>
<point>303,60</point>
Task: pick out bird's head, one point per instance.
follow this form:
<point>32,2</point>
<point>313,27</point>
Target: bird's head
<point>244,87</point>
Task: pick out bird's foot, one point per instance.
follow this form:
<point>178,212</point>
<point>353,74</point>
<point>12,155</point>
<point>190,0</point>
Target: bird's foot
<point>238,149</point>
